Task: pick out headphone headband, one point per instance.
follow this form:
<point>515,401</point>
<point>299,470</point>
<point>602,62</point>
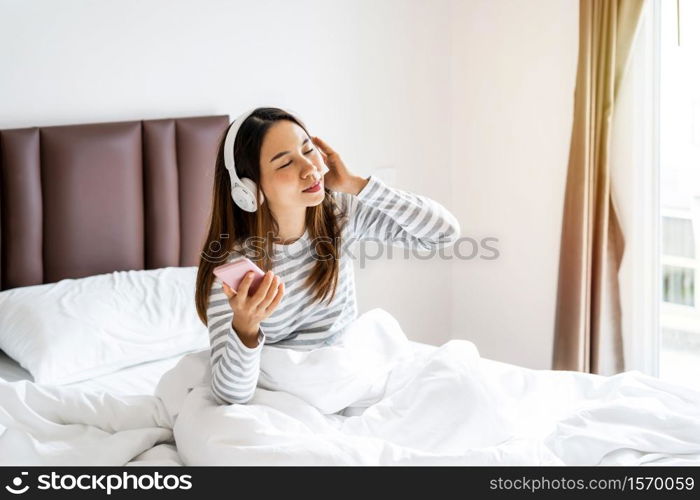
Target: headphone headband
<point>228,146</point>
<point>243,191</point>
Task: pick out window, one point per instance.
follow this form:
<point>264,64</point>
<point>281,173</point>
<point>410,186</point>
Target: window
<point>678,285</point>
<point>677,237</point>
<point>679,193</point>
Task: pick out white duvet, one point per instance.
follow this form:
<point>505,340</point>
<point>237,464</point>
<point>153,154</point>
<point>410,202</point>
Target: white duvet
<point>371,400</point>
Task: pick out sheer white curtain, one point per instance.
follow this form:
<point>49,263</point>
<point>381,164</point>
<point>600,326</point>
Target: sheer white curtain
<point>634,184</point>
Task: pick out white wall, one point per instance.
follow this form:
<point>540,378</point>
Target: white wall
<point>512,88</point>
<point>370,77</point>
<point>468,101</point>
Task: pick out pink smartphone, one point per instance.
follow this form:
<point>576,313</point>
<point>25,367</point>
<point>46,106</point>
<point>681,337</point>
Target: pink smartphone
<point>232,273</point>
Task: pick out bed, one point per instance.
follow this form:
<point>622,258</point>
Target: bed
<point>89,199</point>
<point>100,230</point>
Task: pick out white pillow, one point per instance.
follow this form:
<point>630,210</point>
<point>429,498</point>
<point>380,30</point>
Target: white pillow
<point>77,329</point>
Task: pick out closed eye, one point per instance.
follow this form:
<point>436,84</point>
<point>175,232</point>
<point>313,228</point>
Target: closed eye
<point>306,153</point>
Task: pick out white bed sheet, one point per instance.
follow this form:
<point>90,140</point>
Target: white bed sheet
<point>554,417</point>
<point>449,407</point>
<point>137,380</point>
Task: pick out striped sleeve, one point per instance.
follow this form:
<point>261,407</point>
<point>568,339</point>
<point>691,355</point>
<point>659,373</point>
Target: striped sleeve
<point>234,366</point>
<point>392,215</point>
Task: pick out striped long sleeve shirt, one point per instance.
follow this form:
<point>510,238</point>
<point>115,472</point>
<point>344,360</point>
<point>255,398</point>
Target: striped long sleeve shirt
<point>378,212</point>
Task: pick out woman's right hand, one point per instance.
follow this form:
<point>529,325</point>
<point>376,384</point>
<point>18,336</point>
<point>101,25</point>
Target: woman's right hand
<point>250,310</point>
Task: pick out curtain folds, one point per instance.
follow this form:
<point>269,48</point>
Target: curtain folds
<point>588,327</point>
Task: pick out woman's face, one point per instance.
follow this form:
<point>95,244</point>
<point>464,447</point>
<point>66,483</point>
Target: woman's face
<point>290,163</point>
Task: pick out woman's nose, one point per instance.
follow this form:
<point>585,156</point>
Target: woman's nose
<point>310,169</point>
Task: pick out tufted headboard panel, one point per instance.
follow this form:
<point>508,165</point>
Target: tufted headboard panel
<point>80,200</point>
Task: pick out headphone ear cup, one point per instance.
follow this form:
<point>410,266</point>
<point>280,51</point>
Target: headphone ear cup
<point>243,199</point>
<point>250,184</point>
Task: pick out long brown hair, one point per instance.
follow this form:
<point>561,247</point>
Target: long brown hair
<point>230,225</point>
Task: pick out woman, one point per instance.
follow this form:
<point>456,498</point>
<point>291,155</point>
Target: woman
<point>303,220</point>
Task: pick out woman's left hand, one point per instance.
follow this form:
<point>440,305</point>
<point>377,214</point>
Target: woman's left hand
<point>338,178</point>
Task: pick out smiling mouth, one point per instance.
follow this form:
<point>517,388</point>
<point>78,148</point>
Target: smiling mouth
<point>311,188</point>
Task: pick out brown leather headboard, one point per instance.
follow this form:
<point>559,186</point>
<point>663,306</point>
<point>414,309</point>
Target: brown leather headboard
<point>80,200</point>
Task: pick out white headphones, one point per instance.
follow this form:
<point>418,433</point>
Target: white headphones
<point>243,190</point>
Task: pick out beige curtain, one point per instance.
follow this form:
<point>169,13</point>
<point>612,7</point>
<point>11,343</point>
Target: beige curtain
<point>588,328</point>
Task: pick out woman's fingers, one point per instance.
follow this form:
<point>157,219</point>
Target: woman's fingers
<point>266,297</point>
<point>271,293</point>
<point>325,148</point>
<point>228,290</point>
<point>245,284</point>
<point>276,299</point>
<point>261,292</point>
<point>324,156</point>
